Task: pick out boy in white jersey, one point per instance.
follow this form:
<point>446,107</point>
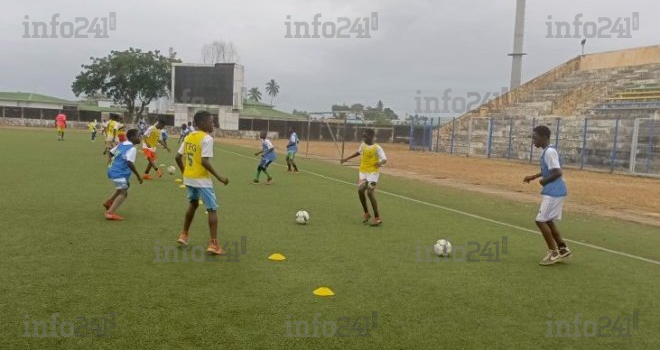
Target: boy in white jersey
<point>267,157</point>
<point>373,157</point>
<point>554,192</point>
<point>194,161</point>
<point>291,150</point>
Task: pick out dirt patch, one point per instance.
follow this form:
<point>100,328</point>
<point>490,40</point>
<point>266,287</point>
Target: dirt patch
<point>618,196</point>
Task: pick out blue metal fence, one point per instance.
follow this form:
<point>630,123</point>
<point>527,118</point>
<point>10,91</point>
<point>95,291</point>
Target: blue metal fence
<point>594,143</point>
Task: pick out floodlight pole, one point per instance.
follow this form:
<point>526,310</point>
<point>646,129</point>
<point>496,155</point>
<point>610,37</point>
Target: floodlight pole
<point>518,36</point>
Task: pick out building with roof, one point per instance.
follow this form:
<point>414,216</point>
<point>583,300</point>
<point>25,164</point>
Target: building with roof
<point>30,109</point>
<point>258,110</point>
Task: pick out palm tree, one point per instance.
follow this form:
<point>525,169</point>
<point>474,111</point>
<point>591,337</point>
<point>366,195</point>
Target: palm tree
<point>272,89</point>
<point>254,94</point>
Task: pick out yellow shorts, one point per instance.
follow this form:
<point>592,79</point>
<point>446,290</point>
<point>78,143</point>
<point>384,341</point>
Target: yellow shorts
<point>60,129</point>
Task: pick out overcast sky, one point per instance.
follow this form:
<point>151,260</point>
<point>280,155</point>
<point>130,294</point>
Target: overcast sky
<point>418,45</point>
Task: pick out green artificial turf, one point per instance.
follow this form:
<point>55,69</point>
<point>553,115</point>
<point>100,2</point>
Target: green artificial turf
<point>61,257</point>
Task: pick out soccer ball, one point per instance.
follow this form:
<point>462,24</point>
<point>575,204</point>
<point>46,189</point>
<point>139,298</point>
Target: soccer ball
<point>302,217</point>
<point>171,169</point>
<point>442,247</point>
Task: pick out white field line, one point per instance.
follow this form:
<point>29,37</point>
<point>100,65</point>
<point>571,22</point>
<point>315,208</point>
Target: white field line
<point>474,216</point>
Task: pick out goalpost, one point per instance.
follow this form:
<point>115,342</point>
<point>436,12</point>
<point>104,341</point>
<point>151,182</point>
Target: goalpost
<point>644,147</point>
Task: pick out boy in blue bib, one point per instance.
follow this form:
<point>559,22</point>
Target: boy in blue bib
<point>554,191</point>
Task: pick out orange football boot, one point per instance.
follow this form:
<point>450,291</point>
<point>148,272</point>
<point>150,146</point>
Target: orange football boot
<point>376,222</point>
<point>214,248</point>
<point>113,217</point>
<point>183,238</point>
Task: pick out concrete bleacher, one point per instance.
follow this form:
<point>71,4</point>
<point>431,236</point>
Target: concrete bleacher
<point>622,85</point>
<point>643,96</point>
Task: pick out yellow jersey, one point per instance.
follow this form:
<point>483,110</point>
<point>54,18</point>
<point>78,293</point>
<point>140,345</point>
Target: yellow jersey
<point>371,156</point>
<point>196,145</point>
<point>110,130</point>
<point>91,126</point>
<point>151,136</point>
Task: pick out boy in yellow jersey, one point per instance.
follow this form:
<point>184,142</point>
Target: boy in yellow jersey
<point>111,132</point>
<point>373,157</point>
<point>92,129</point>
<point>121,130</point>
<point>152,137</point>
<point>194,160</point>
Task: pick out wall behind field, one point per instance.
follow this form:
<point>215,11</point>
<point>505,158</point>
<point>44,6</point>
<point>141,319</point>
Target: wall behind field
<point>624,58</point>
<point>45,117</point>
<point>248,127</point>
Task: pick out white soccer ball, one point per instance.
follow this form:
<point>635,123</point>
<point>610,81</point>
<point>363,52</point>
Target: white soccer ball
<point>442,247</point>
<point>171,169</point>
<point>302,217</point>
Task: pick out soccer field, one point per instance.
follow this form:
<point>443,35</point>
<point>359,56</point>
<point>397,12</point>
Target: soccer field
<point>62,261</point>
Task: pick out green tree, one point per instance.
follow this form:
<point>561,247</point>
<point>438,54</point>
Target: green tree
<point>300,113</point>
<point>336,108</point>
<point>371,113</point>
<point>254,94</point>
<point>130,78</point>
<point>93,99</point>
<point>357,108</point>
<point>390,114</point>
<point>382,120</point>
<point>219,52</point>
<point>272,88</point>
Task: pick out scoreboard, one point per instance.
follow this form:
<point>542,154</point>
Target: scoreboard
<point>197,84</point>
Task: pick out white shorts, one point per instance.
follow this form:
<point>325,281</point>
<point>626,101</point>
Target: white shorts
<point>369,177</point>
<point>109,138</point>
<point>121,183</point>
<point>551,208</point>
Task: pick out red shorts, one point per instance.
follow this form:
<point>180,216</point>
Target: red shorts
<point>151,155</point>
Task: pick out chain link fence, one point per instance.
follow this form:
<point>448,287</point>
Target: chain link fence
<point>616,144</point>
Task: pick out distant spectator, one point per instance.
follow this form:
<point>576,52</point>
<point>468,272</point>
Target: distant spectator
<point>142,125</point>
<point>184,132</point>
<point>92,129</point>
<point>60,123</point>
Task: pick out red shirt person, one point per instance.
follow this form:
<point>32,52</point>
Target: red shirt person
<point>60,123</point>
